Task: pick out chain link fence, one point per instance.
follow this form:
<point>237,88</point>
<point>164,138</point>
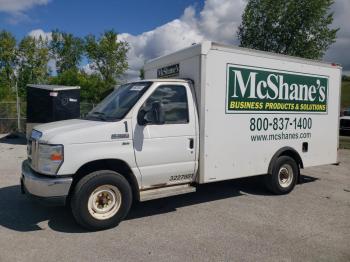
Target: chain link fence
<point>85,108</point>
<point>9,119</point>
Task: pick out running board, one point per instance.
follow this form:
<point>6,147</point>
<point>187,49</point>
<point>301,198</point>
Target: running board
<point>166,192</point>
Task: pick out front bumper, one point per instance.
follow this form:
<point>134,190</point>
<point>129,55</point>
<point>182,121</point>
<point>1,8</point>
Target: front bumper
<point>53,190</point>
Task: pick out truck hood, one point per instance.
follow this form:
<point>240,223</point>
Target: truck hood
<point>77,131</point>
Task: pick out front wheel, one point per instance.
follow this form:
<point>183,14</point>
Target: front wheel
<point>284,176</point>
<point>101,200</point>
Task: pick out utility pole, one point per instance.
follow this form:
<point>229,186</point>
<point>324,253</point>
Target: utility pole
<point>18,108</point>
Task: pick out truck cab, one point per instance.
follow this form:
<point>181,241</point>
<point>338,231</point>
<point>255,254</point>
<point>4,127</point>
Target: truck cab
<point>144,135</point>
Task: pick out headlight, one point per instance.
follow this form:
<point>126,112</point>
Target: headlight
<point>50,158</point>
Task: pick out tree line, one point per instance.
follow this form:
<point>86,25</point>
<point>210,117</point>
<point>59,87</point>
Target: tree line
<point>31,60</point>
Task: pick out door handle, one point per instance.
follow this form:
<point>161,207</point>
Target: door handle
<point>191,140</point>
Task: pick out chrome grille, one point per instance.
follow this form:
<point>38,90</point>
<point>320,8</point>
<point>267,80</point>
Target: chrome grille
<point>32,151</point>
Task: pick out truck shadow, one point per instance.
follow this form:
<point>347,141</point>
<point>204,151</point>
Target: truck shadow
<point>206,193</point>
<point>19,213</point>
<point>13,139</point>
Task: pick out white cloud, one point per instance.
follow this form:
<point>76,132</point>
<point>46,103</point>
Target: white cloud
<point>17,8</point>
<point>339,52</point>
<point>12,6</point>
<point>87,68</point>
<point>39,32</point>
<point>220,19</point>
<point>217,21</point>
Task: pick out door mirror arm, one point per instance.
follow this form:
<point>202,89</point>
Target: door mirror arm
<point>154,116</point>
<point>158,112</point>
<point>141,118</point>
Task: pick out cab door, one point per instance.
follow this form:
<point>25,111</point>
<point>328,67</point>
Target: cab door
<point>165,153</point>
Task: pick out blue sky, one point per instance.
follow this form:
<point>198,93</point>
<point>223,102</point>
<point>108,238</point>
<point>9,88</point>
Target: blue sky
<point>151,27</point>
<point>83,17</point>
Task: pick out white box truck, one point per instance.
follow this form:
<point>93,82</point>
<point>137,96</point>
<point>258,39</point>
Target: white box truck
<point>206,113</point>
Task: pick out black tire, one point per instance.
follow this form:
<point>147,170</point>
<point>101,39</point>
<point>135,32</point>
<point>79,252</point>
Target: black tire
<point>86,186</point>
<point>283,166</point>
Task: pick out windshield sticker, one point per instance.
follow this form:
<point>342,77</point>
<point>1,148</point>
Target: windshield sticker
<point>137,88</point>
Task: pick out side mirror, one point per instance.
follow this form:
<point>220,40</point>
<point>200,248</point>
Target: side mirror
<point>141,118</point>
<point>154,116</point>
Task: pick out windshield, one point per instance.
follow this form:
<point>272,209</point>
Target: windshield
<point>117,104</point>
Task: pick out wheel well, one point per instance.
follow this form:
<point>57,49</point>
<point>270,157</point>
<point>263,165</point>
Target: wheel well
<point>108,164</point>
<point>286,151</point>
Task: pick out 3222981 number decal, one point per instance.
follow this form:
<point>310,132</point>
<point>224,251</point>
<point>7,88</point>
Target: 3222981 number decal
<point>180,177</point>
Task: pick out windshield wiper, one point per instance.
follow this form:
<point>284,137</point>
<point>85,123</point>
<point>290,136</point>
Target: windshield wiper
<point>99,115</point>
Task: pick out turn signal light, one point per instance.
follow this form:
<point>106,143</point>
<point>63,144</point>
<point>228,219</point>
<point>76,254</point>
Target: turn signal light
<point>56,157</point>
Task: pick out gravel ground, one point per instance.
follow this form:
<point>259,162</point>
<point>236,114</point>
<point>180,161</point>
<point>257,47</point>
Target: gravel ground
<point>230,221</point>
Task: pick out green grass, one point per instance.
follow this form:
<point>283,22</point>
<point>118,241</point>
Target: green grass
<point>345,93</point>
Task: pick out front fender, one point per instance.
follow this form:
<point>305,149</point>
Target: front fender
<point>76,155</point>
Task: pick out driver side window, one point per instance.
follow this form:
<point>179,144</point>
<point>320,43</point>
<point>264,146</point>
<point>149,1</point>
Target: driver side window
<point>174,101</point>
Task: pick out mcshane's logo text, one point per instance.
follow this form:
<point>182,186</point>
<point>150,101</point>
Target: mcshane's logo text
<point>168,71</point>
<point>250,89</point>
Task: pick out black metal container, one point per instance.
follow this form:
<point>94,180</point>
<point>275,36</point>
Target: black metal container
<point>48,103</point>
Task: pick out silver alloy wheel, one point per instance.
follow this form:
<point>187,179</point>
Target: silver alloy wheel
<point>285,175</point>
<point>104,202</point>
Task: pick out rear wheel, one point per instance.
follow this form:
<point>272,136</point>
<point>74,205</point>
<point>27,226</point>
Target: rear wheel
<point>284,176</point>
<point>101,200</point>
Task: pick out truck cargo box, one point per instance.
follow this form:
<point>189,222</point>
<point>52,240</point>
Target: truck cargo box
<point>251,104</point>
